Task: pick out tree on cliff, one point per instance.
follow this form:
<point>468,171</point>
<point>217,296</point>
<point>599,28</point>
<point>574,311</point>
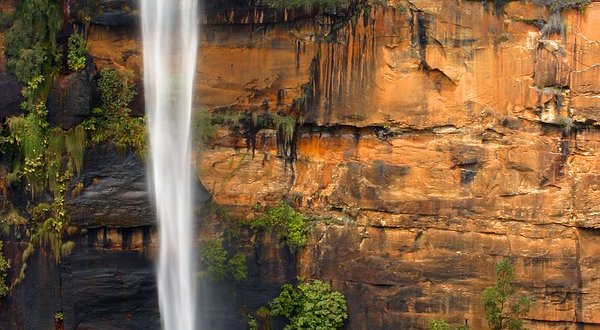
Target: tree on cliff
<point>310,306</point>
<point>443,325</point>
<point>499,312</point>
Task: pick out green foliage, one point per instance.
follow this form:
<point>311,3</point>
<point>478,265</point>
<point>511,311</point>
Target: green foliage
<point>203,127</point>
<point>561,5</point>
<point>286,126</point>
<point>25,61</point>
<point>252,325</point>
<point>499,312</point>
<point>28,64</point>
<point>237,266</point>
<point>29,133</point>
<point>555,23</point>
<point>310,306</point>
<point>214,257</point>
<point>31,40</point>
<point>216,263</point>
<point>554,6</point>
<point>45,155</point>
<point>76,146</point>
<point>116,89</point>
<point>13,218</point>
<point>76,55</point>
<point>233,119</point>
<point>291,226</point>
<point>44,16</point>
<point>17,37</point>
<point>31,93</point>
<point>112,121</point>
<point>400,7</point>
<point>325,5</point>
<point>4,266</point>
<point>442,325</point>
<point>44,151</point>
<point>51,222</point>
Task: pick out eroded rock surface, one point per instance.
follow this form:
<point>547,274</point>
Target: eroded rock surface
<point>453,137</point>
<point>108,282</point>
<point>444,135</point>
<point>115,191</point>
<point>70,99</point>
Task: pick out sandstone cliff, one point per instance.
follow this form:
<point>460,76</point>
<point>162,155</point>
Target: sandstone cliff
<point>440,134</point>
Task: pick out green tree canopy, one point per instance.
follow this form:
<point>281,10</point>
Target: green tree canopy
<point>501,311</point>
<point>310,306</point>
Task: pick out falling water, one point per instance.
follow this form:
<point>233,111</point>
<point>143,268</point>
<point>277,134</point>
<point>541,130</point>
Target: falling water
<point>170,36</point>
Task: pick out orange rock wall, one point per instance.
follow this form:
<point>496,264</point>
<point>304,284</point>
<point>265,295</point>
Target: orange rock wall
<point>444,135</point>
<point>442,132</point>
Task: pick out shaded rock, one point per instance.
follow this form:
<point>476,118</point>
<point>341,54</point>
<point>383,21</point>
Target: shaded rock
<point>10,96</point>
<point>115,191</point>
<point>107,12</point>
<point>70,98</point>
<point>96,287</point>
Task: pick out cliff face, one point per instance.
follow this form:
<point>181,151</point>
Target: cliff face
<point>451,135</point>
<point>443,134</point>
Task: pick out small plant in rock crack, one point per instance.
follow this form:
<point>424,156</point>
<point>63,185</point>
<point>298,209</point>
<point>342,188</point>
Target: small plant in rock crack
<point>76,55</point>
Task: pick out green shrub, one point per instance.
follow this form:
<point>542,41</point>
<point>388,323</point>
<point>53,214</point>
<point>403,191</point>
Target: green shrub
<point>217,265</point>
<point>28,64</point>
<point>45,155</point>
<point>44,17</point>
<point>325,5</point>
<point>442,325</point>
<point>30,42</point>
<point>214,258</point>
<point>237,267</point>
<point>291,226</point>
<point>116,90</point>
<point>252,325</point>
<point>47,158</point>
<point>111,122</point>
<point>555,23</point>
<point>19,36</point>
<point>500,311</point>
<point>29,133</point>
<point>561,5</point>
<point>203,128</point>
<point>76,55</point>
<point>4,266</point>
<point>310,306</point>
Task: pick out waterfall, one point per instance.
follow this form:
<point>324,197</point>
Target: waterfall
<point>170,40</point>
